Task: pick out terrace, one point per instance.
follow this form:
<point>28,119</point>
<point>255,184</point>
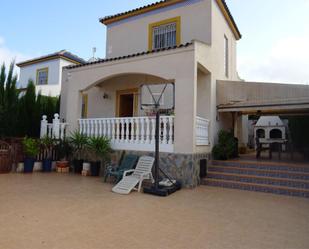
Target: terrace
<point>71,211</point>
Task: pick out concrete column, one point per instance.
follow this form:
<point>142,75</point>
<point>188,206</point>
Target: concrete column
<point>185,111</point>
<point>241,129</point>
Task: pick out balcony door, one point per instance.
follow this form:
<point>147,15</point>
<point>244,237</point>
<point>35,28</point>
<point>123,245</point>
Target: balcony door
<point>127,103</point>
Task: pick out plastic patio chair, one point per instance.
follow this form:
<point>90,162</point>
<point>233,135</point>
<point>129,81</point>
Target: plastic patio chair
<point>138,175</point>
<point>127,163</point>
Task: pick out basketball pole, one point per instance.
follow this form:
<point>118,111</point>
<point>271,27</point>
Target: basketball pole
<point>157,148</point>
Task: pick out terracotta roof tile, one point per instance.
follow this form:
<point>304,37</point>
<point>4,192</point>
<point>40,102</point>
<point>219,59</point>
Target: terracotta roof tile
<point>129,56</point>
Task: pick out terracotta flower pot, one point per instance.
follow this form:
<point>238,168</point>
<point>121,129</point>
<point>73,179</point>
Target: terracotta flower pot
<point>62,164</point>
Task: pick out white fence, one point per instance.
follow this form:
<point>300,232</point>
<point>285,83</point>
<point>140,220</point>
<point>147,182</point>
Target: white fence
<point>56,129</point>
<point>136,133</point>
<point>202,131</point>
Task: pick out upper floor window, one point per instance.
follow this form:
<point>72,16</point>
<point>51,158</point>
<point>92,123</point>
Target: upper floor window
<point>42,76</point>
<point>164,34</point>
<point>226,56</point>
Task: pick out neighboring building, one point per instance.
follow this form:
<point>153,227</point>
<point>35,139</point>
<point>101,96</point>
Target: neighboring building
<point>46,71</point>
<point>191,43</point>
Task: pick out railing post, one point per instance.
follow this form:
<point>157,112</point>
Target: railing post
<point>137,137</point>
<point>171,130</point>
<point>56,126</point>
<point>147,130</point>
<point>43,132</point>
<point>164,140</point>
<point>153,131</point>
<point>142,134</point>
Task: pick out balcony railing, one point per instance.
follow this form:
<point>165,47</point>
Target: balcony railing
<point>202,134</point>
<point>136,133</point>
<point>56,129</point>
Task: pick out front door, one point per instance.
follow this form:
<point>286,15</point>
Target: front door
<point>126,105</point>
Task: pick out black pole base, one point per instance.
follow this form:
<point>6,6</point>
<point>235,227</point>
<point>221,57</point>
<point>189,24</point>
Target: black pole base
<point>162,191</point>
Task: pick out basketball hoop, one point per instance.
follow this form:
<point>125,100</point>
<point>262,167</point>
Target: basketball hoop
<point>155,99</point>
<point>158,97</point>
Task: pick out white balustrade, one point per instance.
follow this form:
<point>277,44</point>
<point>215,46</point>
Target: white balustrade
<point>136,133</point>
<point>202,131</point>
<point>56,129</point>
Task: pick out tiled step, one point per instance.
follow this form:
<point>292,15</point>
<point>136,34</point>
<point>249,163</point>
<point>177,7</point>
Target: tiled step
<point>257,187</point>
<point>273,181</point>
<point>260,172</point>
<point>264,165</point>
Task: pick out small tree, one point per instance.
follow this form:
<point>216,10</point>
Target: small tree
<point>226,148</point>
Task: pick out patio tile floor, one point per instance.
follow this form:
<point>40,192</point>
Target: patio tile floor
<point>72,212</point>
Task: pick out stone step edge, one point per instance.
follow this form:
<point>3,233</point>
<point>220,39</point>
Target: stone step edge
<point>290,172</point>
<point>277,179</point>
<point>262,163</point>
<point>257,185</point>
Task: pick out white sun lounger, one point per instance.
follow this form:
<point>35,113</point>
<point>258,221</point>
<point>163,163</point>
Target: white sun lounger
<point>139,174</point>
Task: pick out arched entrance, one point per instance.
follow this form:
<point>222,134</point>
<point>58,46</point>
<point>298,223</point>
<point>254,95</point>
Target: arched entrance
<point>118,95</point>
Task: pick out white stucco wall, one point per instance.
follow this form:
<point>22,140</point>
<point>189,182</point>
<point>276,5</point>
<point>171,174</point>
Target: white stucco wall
<point>54,66</point>
<point>212,58</point>
<point>164,65</point>
<point>195,69</point>
<point>131,35</point>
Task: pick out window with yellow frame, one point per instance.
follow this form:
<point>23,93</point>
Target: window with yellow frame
<point>165,33</point>
<point>84,113</point>
<point>42,76</point>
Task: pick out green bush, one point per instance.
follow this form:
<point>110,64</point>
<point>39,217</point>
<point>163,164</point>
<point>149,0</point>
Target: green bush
<point>64,149</point>
<point>31,147</point>
<point>227,146</point>
<point>78,142</point>
<point>99,147</point>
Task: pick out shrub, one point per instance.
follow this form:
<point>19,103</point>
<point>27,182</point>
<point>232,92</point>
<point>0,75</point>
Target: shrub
<point>79,143</point>
<point>99,147</point>
<point>227,147</point>
<point>64,149</point>
<point>31,147</point>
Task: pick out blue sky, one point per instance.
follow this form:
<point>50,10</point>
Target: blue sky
<point>274,45</point>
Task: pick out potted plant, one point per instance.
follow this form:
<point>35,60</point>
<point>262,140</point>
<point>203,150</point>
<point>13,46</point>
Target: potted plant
<point>64,150</point>
<point>48,144</point>
<point>79,143</point>
<point>31,150</point>
<point>100,151</point>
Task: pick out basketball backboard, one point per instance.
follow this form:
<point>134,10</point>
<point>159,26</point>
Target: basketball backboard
<point>158,96</point>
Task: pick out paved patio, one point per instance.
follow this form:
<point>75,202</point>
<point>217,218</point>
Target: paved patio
<point>72,212</point>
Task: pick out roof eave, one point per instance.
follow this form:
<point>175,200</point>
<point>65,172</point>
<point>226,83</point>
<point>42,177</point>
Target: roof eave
<point>222,4</point>
<point>35,61</point>
<point>118,17</point>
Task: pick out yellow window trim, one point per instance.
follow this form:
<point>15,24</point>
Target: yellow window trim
<point>85,101</point>
<point>133,91</point>
<point>177,20</point>
<point>45,69</point>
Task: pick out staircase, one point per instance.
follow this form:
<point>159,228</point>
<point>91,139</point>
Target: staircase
<point>268,177</point>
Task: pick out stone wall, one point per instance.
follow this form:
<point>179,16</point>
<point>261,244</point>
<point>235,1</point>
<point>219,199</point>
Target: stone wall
<point>183,167</point>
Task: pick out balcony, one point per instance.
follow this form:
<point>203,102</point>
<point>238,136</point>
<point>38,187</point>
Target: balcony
<point>132,133</point>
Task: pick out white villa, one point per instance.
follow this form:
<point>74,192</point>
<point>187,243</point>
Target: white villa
<point>191,43</point>
<point>46,71</point>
